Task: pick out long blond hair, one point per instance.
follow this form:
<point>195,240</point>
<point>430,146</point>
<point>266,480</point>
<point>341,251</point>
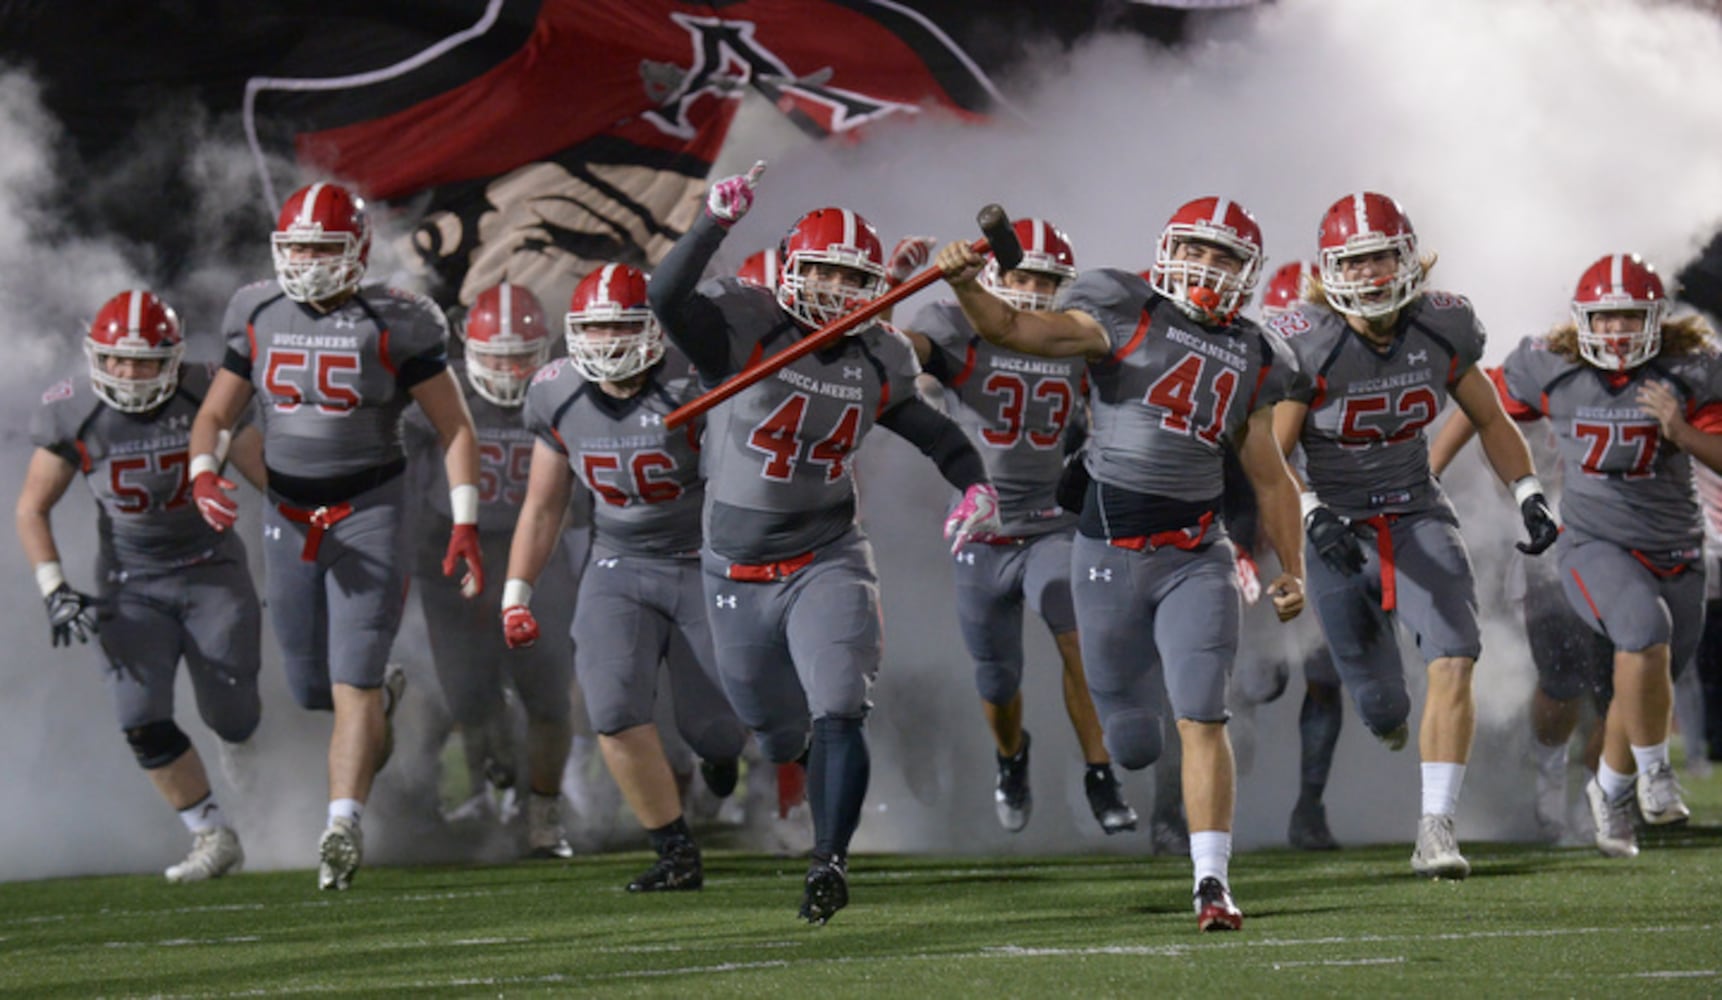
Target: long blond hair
<point>1682,335</point>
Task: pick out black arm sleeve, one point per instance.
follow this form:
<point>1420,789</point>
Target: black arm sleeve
<point>692,322</point>
<point>421,367</point>
<point>237,363</point>
<point>939,438</point>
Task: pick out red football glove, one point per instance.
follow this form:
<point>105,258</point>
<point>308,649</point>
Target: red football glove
<point>519,628</point>
<point>209,489</point>
<point>463,544</point>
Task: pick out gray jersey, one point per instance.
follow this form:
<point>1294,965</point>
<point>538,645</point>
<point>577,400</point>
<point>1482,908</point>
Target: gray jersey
<point>1622,482</point>
<point>645,479</point>
<point>1014,408</point>
<point>778,453</point>
<point>1363,441</point>
<point>504,460</point>
<point>1172,393</point>
<point>136,465</point>
<point>331,387</point>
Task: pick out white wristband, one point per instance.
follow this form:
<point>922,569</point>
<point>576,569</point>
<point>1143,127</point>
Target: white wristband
<point>48,577</point>
<point>516,592</point>
<point>463,503</point>
<point>203,463</point>
<point>1524,487</point>
<point>1308,501</point>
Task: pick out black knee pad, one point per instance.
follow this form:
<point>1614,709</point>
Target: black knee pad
<point>157,744</point>
<point>1134,738</point>
<point>1384,706</point>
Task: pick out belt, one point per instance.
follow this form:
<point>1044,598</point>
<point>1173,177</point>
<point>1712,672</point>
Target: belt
<point>320,519</point>
<point>1177,538</point>
<point>1682,560</point>
<point>1383,525</point>
<point>768,572</point>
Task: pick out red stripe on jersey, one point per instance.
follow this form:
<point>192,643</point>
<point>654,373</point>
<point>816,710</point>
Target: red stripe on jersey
<point>754,355</point>
<point>1584,591</point>
<point>1261,377</point>
<point>693,429</point>
<point>1452,371</point>
<point>884,398</point>
<point>968,367</point>
<point>251,335</point>
<point>1707,418</point>
<point>1515,409</point>
<point>84,463</point>
<point>383,351</point>
<point>559,442</point>
<point>1320,392</point>
<point>1135,339</point>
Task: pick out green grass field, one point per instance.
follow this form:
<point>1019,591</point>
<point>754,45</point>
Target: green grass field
<point>1529,922</point>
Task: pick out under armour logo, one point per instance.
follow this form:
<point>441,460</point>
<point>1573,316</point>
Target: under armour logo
<point>966,557</point>
<point>851,371</point>
<point>1417,357</point>
<point>609,563</point>
<point>726,600</point>
<point>1096,573</point>
<point>345,320</point>
<point>651,420</point>
<point>272,532</point>
<point>178,422</point>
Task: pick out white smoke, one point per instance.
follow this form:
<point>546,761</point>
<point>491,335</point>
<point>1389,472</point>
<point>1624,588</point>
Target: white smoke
<point>1523,138</point>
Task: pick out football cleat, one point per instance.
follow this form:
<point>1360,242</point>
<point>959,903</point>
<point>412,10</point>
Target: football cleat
<point>394,686</point>
<point>1215,910</point>
<point>1660,797</point>
<point>1168,834</point>
<point>1308,828</point>
<point>678,869</point>
<point>339,853</point>
<point>1011,796</point>
<point>1437,852</point>
<point>544,837</point>
<point>826,890</point>
<point>720,775</point>
<point>1106,800</point>
<point>214,853</point>
<point>1615,836</point>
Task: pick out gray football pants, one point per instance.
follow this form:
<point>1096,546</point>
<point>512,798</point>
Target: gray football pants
<point>1634,606</point>
<point>994,582</point>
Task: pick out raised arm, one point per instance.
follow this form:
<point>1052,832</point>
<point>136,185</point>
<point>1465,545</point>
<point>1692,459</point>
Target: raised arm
<point>689,319</point>
<point>1067,334</point>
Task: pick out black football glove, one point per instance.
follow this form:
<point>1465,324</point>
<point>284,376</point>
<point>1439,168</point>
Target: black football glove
<point>1539,524</point>
<point>1334,541</point>
<point>1072,489</point>
<point>71,614</point>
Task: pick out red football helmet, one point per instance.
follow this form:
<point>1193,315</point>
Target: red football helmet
<point>612,334</point>
<point>1205,293</point>
<point>1286,288</point>
<point>506,341</point>
<point>1045,250</point>
<point>832,236</point>
<point>321,243</point>
<point>134,326</point>
<point>760,269</point>
<point>1359,225</point>
<point>1619,283</point>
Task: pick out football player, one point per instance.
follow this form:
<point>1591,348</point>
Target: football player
<point>1631,393</point>
<point>1383,356</point>
<point>788,573</point>
<point>335,365</point>
<point>506,342</point>
<point>1176,377</point>
<point>171,587</point>
<point>599,415</point>
<point>1016,409</point>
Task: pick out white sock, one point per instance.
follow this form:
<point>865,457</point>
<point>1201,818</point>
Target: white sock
<point>1441,783</point>
<point>1651,757</point>
<point>350,809</point>
<point>1211,851</point>
<point>1550,760</point>
<point>204,814</point>
<point>1615,786</point>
